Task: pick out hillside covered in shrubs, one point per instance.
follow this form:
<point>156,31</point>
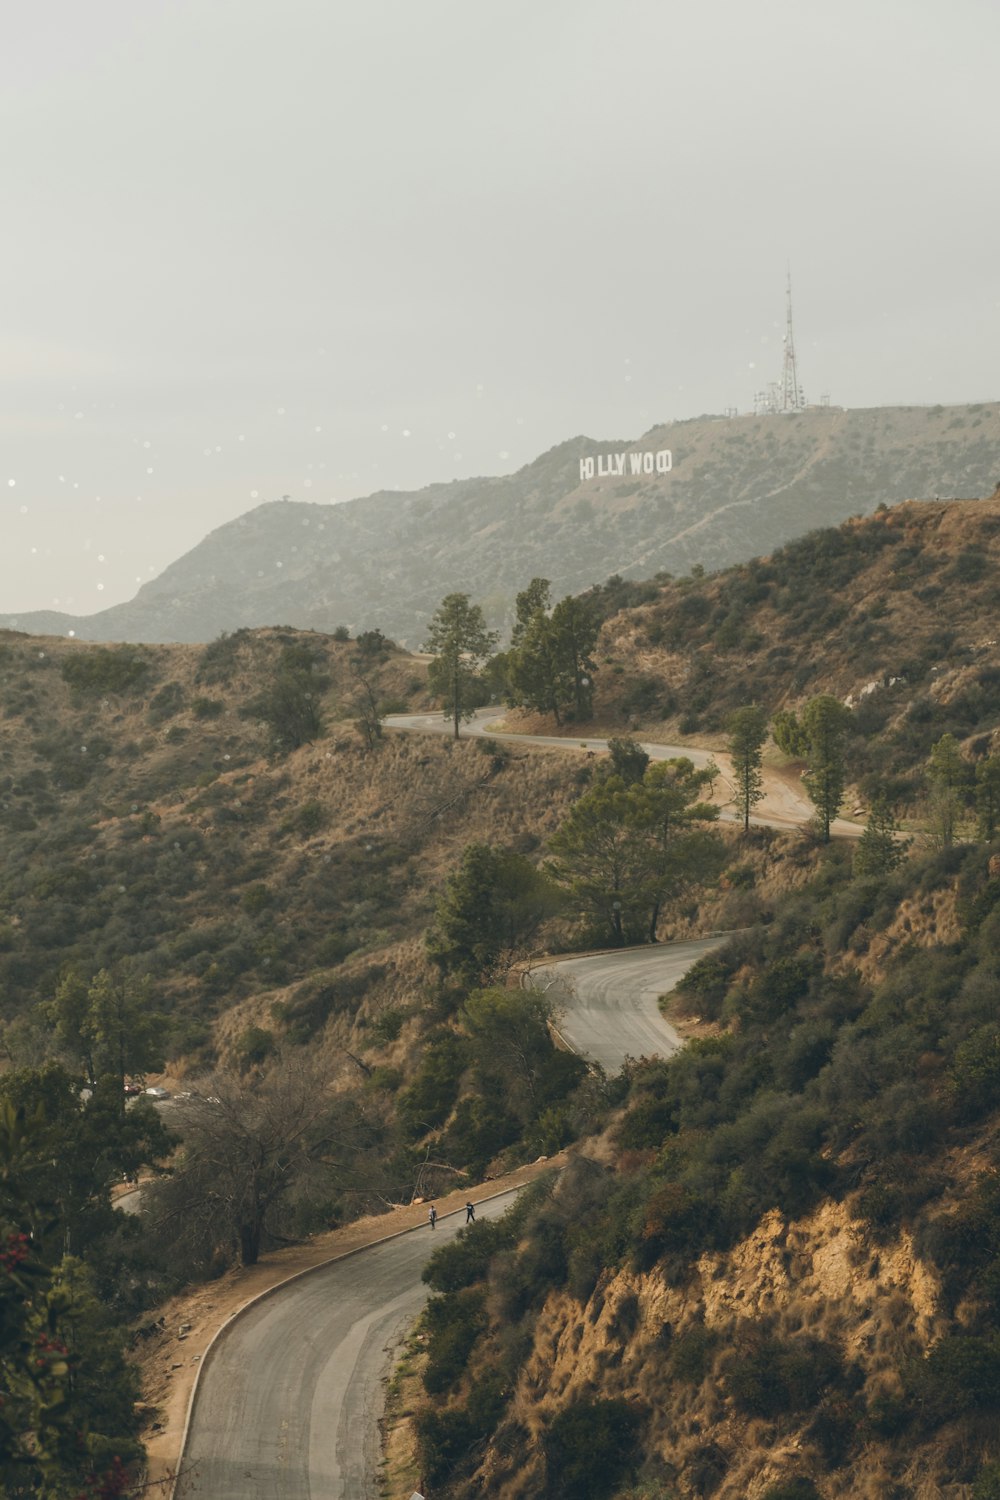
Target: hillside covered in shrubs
<point>893,613</point>
<point>775,1273</point>
<point>769,1267</point>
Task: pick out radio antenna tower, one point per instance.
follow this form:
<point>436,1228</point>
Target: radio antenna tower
<point>792,398</point>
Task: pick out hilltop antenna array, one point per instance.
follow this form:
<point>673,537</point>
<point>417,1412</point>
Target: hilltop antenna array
<point>784,395</point>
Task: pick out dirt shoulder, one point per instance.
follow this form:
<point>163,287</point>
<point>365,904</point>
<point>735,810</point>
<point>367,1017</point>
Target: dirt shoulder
<point>169,1357</point>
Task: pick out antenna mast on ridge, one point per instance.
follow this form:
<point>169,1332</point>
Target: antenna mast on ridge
<point>792,399</point>
<point>786,394</point>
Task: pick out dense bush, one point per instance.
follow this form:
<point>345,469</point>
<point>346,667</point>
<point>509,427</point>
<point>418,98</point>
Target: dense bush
<point>430,1097</point>
<point>105,670</point>
<point>766,1375</point>
<point>589,1449</point>
<point>960,1375</point>
<point>466,1259</point>
<point>453,1324</point>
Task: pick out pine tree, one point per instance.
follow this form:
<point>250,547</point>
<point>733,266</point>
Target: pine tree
<point>880,849</point>
<point>824,722</point>
<point>948,774</point>
<point>988,797</point>
<point>460,643</point>
<point>747,733</point>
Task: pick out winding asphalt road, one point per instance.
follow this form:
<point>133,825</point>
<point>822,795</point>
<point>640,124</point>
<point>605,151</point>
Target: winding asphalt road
<point>783,805</point>
<point>288,1404</point>
<point>607,1005</point>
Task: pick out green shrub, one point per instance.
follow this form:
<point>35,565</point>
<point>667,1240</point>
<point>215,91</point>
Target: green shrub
<point>444,1439</point>
<point>207,708</point>
<point>974,1081</point>
<point>387,1026</point>
<point>255,1045</point>
<point>165,703</point>
<point>220,656</point>
<point>706,982</point>
<point>453,1325</point>
<point>104,670</point>
<point>691,1354</point>
<point>961,1374</point>
<point>431,1096</point>
<point>333,949</point>
<point>791,1489</point>
<point>309,818</point>
<point>480,1129</point>
<point>257,899</point>
<point>767,1376</point>
<point>987,1485</point>
<point>590,1448</point>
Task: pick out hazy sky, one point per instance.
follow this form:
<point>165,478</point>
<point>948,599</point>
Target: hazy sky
<point>321,247</point>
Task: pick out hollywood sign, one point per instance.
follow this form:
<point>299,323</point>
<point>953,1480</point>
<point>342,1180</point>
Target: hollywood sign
<point>613,465</point>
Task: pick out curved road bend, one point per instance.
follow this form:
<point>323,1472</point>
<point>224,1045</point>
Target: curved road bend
<point>289,1401</point>
<point>782,807</point>
<point>607,1006</point>
<point>288,1405</point>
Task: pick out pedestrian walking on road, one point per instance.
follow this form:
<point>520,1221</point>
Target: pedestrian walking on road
<point>432,1216</point>
<point>470,1213</point>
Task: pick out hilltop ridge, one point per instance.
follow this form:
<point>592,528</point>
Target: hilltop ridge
<point>736,488</point>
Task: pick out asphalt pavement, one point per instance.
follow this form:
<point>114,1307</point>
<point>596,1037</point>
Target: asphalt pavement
<point>783,805</point>
<point>607,1005</point>
<point>290,1397</point>
<point>292,1391</point>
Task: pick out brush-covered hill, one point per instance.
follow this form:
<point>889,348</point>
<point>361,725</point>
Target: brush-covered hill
<point>737,488</point>
<point>895,613</point>
<point>776,1263</point>
<point>146,816</point>
<point>776,1274</point>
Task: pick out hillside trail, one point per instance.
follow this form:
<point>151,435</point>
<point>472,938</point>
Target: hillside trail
<point>754,502</point>
<point>783,806</point>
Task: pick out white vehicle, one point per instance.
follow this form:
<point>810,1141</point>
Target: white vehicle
<point>157,1091</point>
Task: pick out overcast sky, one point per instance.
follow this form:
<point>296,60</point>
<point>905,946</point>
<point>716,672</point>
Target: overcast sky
<point>322,247</point>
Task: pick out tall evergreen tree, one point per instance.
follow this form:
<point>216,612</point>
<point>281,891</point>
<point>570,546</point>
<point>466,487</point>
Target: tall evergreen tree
<point>109,1025</point>
<point>948,773</point>
<point>533,677</point>
<point>669,817</point>
<point>626,758</point>
<point>988,796</point>
<point>880,849</point>
<point>624,850</point>
<point>747,733</point>
<point>550,665</point>
<point>370,652</point>
<point>824,723</point>
<point>530,602</point>
<point>490,908</point>
<point>575,628</point>
<point>460,643</point>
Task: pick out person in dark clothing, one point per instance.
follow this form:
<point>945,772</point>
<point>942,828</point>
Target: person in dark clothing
<point>432,1216</point>
<point>470,1213</point>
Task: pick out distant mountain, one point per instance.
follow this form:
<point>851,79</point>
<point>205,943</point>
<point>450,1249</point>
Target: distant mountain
<point>736,488</point>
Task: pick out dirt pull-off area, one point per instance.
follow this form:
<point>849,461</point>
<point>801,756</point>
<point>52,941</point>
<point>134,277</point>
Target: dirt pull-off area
<point>170,1351</point>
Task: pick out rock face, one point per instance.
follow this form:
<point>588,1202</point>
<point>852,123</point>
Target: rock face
<point>735,488</point>
<point>673,1352</point>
